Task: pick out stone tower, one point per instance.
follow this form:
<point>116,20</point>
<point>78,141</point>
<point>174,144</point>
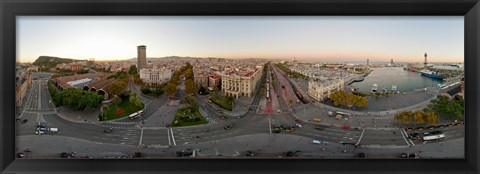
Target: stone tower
<point>425,63</point>
<point>141,57</point>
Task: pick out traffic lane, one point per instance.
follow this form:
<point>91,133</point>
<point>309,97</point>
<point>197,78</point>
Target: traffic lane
<point>216,132</point>
<point>383,137</point>
<point>156,137</point>
<point>29,127</point>
<point>334,135</point>
<point>85,130</point>
<point>451,133</point>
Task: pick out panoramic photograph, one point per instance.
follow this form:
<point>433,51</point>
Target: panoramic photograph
<point>331,87</point>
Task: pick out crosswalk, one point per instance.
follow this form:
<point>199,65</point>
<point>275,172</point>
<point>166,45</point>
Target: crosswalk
<point>204,114</point>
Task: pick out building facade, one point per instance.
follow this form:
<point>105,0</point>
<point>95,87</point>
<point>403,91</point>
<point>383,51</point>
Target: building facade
<point>319,90</point>
<point>21,89</point>
<point>76,67</point>
<point>141,57</point>
<point>239,84</point>
<point>155,76</point>
<point>214,81</point>
<point>200,79</point>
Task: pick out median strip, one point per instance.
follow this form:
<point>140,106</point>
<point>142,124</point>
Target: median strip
<point>359,139</point>
<point>173,138</point>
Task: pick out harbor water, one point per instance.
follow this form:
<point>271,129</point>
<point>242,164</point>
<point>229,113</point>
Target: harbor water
<point>387,76</point>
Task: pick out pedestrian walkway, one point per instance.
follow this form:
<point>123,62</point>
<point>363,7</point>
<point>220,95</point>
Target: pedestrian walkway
<point>77,116</point>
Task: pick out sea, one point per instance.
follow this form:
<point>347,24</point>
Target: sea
<point>385,77</point>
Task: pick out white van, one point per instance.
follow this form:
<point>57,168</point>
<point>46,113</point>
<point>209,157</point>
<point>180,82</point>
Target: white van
<point>53,129</point>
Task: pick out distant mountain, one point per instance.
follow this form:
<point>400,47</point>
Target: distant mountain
<point>50,62</point>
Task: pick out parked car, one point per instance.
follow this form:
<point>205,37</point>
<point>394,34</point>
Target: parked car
<point>431,127</point>
<point>420,128</point>
<point>414,136</point>
<point>276,131</point>
<point>409,129</point>
<point>20,155</point>
<point>403,155</point>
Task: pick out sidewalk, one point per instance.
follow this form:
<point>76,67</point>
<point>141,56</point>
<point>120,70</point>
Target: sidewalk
<point>77,116</point>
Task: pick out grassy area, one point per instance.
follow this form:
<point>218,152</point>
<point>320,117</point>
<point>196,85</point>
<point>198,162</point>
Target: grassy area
<point>291,73</point>
<point>188,117</point>
<point>223,102</point>
<point>124,109</point>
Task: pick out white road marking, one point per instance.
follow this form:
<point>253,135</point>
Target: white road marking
<point>404,134</point>
<point>39,96</point>
<point>173,137</point>
<point>141,137</point>
<point>168,135</point>
<point>359,139</point>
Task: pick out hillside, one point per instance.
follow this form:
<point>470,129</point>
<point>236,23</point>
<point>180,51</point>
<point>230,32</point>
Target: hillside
<point>50,62</point>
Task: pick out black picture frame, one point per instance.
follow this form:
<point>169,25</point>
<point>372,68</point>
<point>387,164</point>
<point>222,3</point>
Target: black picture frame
<point>9,9</point>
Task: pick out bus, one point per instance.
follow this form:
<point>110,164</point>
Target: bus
<point>135,115</point>
<point>332,114</point>
<point>434,137</point>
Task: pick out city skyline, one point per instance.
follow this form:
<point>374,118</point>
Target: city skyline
<point>404,39</point>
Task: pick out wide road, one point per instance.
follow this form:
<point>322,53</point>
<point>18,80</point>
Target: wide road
<point>134,133</point>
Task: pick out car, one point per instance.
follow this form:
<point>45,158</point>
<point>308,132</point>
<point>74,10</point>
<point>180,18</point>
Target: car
<point>414,136</point>
<point>345,127</point>
<point>316,142</point>
<point>278,111</point>
<point>420,128</point>
<point>223,117</point>
<point>298,125</point>
<point>319,128</point>
<point>24,121</point>
<point>440,126</point>
<point>404,155</point>
<point>344,142</point>
<point>431,127</point>
<point>41,128</point>
<point>276,131</point>
<point>458,124</point>
<point>344,151</point>
<point>228,127</point>
<point>249,153</point>
<point>426,133</point>
<point>317,119</point>
<point>39,132</point>
<point>362,155</point>
<point>409,129</point>
<point>108,130</point>
<point>137,154</point>
<point>20,155</point>
<point>298,120</point>
<point>413,155</point>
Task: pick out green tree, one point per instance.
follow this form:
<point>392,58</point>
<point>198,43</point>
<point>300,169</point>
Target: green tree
<point>117,88</point>
<point>116,100</point>
<point>189,74</point>
<point>431,118</point>
<point>171,89</point>
<point>189,87</point>
<point>133,70</point>
<point>419,117</point>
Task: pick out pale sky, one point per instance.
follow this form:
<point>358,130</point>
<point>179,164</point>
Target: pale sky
<point>342,38</point>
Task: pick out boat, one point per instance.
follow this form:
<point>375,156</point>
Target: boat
<point>374,87</point>
<point>432,74</point>
<point>394,88</point>
<point>384,89</point>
